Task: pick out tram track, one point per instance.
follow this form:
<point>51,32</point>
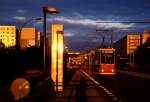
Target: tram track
<point>130,86</point>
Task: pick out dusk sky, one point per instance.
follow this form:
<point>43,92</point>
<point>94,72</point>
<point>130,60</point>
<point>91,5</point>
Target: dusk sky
<point>80,18</point>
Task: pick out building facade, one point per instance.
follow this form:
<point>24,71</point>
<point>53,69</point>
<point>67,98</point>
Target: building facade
<point>8,35</point>
<point>29,37</point>
<point>127,44</point>
<point>133,41</point>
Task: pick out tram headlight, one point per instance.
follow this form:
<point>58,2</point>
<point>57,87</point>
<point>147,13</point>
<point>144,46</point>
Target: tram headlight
<point>113,70</point>
<point>102,70</point>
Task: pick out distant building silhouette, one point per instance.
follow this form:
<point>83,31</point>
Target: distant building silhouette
<point>145,35</point>
<point>127,44</point>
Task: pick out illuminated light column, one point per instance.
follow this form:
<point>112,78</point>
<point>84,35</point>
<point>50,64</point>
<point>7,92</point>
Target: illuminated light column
<point>60,60</point>
<point>57,56</point>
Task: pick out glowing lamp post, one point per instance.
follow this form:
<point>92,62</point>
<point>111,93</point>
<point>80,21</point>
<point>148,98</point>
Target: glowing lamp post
<point>50,10</point>
<point>57,56</point>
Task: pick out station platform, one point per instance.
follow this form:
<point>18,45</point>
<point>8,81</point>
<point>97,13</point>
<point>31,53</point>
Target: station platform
<point>83,88</point>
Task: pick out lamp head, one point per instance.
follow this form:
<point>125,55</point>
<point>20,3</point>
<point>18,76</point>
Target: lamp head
<point>38,18</point>
<point>50,10</point>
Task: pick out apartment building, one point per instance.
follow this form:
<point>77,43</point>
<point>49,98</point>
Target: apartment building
<point>29,37</point>
<point>8,35</point>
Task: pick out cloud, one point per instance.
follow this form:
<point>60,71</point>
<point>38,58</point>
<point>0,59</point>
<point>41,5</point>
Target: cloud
<point>95,40</point>
<point>19,18</point>
<point>78,15</point>
<point>21,11</point>
<point>104,24</point>
<point>69,34</point>
<point>82,21</point>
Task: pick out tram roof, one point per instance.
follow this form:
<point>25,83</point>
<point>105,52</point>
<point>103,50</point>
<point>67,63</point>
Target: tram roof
<point>106,49</point>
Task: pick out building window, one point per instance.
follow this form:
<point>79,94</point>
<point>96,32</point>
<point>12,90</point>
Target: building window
<point>131,44</point>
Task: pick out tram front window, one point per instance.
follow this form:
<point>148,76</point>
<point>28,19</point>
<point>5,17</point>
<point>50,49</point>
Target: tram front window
<point>107,58</point>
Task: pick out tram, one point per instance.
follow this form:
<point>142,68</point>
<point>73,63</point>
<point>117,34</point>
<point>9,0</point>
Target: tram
<point>105,61</point>
<point>100,62</point>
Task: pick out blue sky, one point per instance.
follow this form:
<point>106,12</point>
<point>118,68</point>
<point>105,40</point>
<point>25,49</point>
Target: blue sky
<point>79,18</point>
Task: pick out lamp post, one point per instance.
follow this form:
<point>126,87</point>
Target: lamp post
<point>18,35</point>
<point>37,18</point>
<point>50,10</point>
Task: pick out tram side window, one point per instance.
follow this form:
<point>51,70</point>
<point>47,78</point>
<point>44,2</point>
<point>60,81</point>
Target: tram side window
<point>97,58</point>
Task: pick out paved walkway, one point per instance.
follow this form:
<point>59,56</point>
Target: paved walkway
<point>83,88</point>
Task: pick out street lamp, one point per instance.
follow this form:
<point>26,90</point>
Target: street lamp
<point>19,34</point>
<point>37,18</point>
<point>50,10</point>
